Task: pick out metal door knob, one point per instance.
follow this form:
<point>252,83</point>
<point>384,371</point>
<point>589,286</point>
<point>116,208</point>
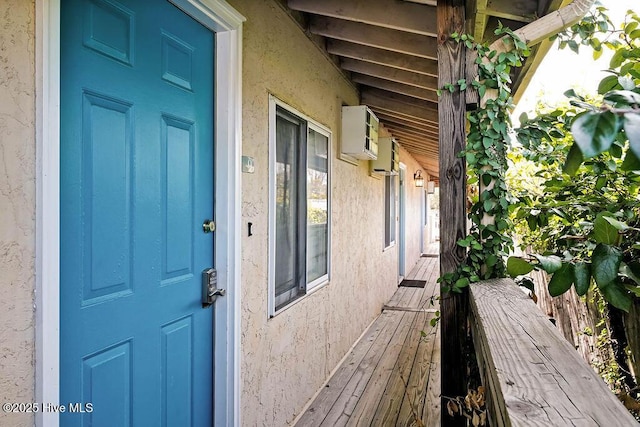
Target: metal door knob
<point>209,226</point>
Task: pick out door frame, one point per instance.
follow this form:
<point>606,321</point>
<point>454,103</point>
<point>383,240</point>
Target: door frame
<point>226,22</point>
<point>402,207</point>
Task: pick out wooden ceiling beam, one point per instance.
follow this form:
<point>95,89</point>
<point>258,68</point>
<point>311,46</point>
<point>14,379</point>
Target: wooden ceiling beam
<point>429,2</point>
<point>421,142</point>
<point>381,111</point>
<point>416,147</point>
<point>432,106</point>
<point>427,159</point>
<point>370,35</point>
<point>426,106</point>
<point>413,91</point>
<point>403,16</point>
<point>388,73</point>
<point>412,132</point>
<point>390,105</point>
<point>396,121</point>
<point>389,58</point>
<point>421,136</point>
<point>516,10</point>
<point>421,130</point>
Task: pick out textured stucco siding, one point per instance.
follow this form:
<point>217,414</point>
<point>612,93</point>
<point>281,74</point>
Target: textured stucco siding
<point>286,359</point>
<point>17,206</point>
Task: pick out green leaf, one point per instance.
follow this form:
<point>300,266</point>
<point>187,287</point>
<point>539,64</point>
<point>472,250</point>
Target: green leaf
<point>623,98</point>
<point>481,91</point>
<point>571,93</point>
<point>631,162</point>
<point>626,271</point>
<point>523,119</point>
<point>632,129</point>
<point>550,264</point>
<point>619,225</point>
<point>597,54</point>
<point>465,243</point>
<point>562,280</point>
<point>617,59</point>
<point>634,289</point>
<point>595,132</point>
<point>574,160</point>
<point>582,277</point>
<point>617,295</point>
<point>607,84</point>
<point>605,232</point>
<point>628,28</point>
<point>517,266</point>
<point>471,158</point>
<point>616,151</point>
<point>461,283</point>
<point>491,260</point>
<point>573,45</point>
<point>605,263</point>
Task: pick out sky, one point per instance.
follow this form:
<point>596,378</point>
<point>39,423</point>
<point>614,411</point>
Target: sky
<point>562,70</point>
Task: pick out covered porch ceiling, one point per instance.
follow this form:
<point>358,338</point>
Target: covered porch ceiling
<point>388,48</point>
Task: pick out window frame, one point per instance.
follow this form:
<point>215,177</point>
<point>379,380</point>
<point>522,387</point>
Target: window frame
<point>390,211</point>
<point>306,288</point>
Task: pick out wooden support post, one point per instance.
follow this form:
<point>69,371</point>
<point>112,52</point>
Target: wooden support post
<point>451,115</point>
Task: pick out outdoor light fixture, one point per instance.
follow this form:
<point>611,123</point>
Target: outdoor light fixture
<point>431,187</point>
<point>417,177</point>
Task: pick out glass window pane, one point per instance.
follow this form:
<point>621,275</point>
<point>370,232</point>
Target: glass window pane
<point>287,134</point>
<point>389,210</point>
<point>317,205</point>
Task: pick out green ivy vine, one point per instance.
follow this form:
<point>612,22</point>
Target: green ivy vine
<point>603,139</point>
<point>488,243</point>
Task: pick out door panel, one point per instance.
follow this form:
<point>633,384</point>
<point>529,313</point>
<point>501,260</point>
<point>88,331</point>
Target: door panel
<point>136,185</point>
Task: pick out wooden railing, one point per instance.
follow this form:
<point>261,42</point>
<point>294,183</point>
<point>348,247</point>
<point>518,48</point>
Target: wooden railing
<point>532,375</point>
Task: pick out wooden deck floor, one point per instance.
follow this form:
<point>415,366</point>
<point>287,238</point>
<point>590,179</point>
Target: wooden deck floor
<point>392,375</point>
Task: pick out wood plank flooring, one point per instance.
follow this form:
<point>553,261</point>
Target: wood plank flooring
<point>392,375</point>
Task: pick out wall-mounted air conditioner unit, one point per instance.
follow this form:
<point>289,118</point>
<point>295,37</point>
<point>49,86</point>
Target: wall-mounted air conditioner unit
<point>388,159</point>
<point>359,132</point>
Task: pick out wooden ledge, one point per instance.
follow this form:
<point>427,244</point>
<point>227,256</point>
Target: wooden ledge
<point>532,375</point>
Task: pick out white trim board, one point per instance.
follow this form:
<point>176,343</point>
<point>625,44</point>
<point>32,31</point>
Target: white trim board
<point>218,16</point>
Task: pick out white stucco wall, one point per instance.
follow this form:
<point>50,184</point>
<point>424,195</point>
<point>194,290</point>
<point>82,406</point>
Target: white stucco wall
<point>17,206</point>
<point>286,359</point>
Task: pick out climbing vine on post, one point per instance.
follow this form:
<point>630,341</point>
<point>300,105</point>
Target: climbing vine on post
<point>488,241</point>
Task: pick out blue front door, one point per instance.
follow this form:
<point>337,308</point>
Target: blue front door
<point>136,185</point>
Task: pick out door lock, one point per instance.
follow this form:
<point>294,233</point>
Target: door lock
<point>208,226</point>
<point>210,289</point>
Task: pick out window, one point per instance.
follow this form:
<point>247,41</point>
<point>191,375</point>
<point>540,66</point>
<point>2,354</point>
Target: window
<point>425,207</point>
<point>389,210</point>
<point>299,223</point>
